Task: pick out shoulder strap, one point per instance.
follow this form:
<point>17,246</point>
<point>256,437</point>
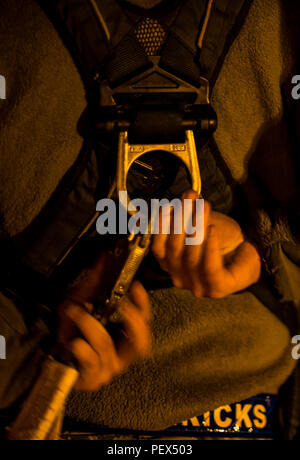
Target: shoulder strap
<point>90,33</point>
<point>100,35</point>
<point>216,23</point>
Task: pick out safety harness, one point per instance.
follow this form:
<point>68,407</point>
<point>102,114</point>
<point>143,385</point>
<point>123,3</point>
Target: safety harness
<point>113,45</point>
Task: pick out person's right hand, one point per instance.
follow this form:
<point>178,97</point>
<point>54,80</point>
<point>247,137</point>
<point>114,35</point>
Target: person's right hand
<point>99,358</point>
<point>225,263</point>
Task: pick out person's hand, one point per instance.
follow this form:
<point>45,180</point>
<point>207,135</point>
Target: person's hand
<point>224,264</point>
<point>99,358</point>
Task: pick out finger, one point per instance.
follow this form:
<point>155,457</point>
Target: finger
<point>160,240</point>
<point>201,218</point>
<point>176,242</point>
<point>99,342</point>
<point>136,339</point>
<point>84,354</point>
<point>193,253</point>
<point>139,298</point>
<point>66,329</point>
<point>228,231</point>
<point>97,367</point>
<point>216,279</point>
<point>212,262</point>
<point>91,329</point>
<point>92,376</point>
<point>245,267</point>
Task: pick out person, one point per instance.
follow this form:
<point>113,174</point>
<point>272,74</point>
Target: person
<point>214,341</point>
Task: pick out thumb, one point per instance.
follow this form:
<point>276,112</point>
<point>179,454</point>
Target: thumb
<point>245,266</point>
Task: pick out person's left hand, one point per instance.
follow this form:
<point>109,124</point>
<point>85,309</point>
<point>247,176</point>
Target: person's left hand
<point>99,357</point>
<point>224,264</point>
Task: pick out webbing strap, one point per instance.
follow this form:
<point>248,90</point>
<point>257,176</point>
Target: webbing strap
<point>109,46</point>
<point>182,54</point>
<point>226,21</point>
<point>80,27</point>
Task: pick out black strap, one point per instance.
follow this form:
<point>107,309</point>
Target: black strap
<point>122,55</point>
<point>226,20</point>
<point>83,33</point>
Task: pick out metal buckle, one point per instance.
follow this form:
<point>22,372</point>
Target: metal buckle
<point>129,153</point>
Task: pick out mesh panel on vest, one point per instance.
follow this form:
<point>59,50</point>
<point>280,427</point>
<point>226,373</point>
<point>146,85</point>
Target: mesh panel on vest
<point>151,35</point>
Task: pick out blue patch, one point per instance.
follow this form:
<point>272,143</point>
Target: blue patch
<point>256,417</point>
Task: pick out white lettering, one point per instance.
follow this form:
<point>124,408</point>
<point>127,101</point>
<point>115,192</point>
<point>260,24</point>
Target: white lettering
<point>2,347</point>
<point>2,87</point>
<point>296,89</point>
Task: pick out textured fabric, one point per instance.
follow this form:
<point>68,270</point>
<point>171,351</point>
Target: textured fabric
<point>198,363</point>
<point>38,121</point>
<point>260,61</point>
<point>151,35</point>
<point>24,352</point>
<point>259,153</point>
<point>42,86</point>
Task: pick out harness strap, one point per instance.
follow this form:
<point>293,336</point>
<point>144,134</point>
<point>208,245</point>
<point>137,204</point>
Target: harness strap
<point>226,20</point>
<point>100,36</point>
<point>221,26</point>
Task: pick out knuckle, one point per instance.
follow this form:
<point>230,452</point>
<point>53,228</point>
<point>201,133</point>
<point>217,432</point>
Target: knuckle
<point>158,252</point>
<point>178,283</point>
<point>77,346</point>
<point>143,349</point>
<point>130,313</point>
<point>88,359</point>
<point>65,308</point>
<point>213,276</point>
<point>117,367</point>
<point>174,264</point>
<point>213,292</point>
<point>174,249</point>
<point>191,262</point>
<point>74,312</point>
<point>197,292</point>
<point>104,342</point>
<point>95,384</point>
<point>105,379</point>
